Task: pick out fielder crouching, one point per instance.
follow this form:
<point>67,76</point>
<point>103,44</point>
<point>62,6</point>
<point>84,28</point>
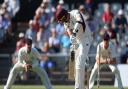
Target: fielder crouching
<point>105,56</point>
<point>28,60</point>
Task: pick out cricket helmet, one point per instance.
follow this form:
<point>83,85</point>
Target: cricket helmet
<point>60,13</point>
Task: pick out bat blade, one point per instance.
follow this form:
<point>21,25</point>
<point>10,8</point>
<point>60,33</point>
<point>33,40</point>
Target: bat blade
<point>71,66</point>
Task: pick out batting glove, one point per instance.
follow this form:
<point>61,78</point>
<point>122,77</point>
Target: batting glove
<point>73,39</point>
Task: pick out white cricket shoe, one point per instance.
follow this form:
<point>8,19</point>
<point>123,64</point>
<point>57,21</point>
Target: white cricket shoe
<point>5,87</point>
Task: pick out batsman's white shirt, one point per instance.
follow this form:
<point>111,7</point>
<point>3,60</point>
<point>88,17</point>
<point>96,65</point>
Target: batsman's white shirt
<point>81,36</point>
<point>84,39</point>
<point>28,58</point>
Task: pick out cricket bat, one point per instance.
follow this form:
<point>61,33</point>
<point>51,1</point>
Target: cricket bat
<point>71,66</point>
<point>71,74</point>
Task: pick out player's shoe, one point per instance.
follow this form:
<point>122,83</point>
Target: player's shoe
<point>5,87</point>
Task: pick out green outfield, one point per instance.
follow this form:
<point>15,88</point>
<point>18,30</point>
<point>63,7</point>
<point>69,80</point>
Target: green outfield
<point>55,87</point>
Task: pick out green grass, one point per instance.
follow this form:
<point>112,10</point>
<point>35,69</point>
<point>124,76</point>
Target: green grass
<point>54,87</point>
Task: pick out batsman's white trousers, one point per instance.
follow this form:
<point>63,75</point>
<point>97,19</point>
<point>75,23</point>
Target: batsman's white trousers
<point>113,68</point>
<point>19,67</point>
<point>81,58</point>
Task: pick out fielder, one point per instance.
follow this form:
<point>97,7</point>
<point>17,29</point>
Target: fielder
<point>28,60</point>
<point>81,36</point>
<point>105,56</point>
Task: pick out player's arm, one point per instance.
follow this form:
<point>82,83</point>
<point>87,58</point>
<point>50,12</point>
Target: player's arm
<point>73,32</point>
<point>79,23</point>
<point>111,60</point>
<point>102,61</point>
<point>21,58</point>
<point>113,55</point>
<point>72,36</point>
<point>99,58</point>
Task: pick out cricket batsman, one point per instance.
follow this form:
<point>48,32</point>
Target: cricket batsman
<point>81,36</point>
<point>28,61</point>
<point>105,56</point>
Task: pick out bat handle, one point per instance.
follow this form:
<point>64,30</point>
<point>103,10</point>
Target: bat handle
<point>72,55</point>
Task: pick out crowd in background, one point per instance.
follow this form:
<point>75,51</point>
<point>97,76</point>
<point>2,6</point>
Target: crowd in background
<point>112,18</point>
<point>8,10</point>
<point>50,36</point>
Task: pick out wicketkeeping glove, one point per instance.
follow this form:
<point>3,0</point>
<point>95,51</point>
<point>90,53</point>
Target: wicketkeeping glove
<point>28,67</point>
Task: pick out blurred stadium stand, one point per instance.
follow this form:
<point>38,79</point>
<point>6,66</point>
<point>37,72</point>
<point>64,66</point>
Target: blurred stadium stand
<point>31,5</point>
<point>5,63</point>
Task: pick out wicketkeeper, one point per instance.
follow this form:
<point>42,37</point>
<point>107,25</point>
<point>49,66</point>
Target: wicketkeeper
<point>81,36</point>
<point>28,61</point>
<point>105,56</point>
